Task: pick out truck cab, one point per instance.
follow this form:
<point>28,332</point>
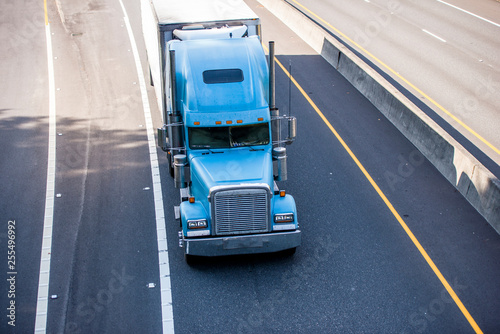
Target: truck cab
<point>223,138</point>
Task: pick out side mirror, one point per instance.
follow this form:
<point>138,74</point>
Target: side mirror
<point>163,138</point>
<point>278,125</point>
<point>170,137</point>
<point>292,129</point>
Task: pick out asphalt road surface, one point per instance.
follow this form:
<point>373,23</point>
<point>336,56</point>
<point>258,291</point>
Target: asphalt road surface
<point>357,271</point>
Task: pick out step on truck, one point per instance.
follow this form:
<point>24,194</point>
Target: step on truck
<point>223,135</point>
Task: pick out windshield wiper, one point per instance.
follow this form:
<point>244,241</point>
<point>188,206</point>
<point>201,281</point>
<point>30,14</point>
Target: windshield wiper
<point>214,151</point>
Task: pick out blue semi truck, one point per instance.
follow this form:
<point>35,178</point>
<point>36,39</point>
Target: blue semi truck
<point>224,138</point>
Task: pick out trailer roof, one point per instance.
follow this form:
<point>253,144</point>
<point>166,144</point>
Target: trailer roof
<point>198,11</point>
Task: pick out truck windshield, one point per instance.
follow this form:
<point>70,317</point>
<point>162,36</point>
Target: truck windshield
<point>228,136</point>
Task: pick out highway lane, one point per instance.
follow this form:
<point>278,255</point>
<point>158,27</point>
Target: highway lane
<point>104,210</point>
<point>357,271</point>
<point>23,156</point>
<point>104,241</point>
<point>451,56</point>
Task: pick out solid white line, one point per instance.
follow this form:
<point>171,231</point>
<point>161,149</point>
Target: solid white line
<point>435,36</point>
<point>165,289</point>
<point>466,11</point>
<point>44,275</point>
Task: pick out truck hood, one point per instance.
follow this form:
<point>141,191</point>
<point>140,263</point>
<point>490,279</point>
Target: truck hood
<point>234,166</point>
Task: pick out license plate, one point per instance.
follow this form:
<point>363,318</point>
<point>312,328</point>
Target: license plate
<point>237,242</point>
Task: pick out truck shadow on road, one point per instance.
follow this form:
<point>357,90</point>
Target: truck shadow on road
<point>200,262</point>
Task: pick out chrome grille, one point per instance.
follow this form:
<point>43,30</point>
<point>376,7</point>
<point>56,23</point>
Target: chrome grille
<point>241,211</point>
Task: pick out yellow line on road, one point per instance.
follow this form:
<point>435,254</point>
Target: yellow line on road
<point>45,10</point>
<point>465,126</point>
<point>421,249</point>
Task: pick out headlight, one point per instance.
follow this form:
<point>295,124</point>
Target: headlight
<point>284,218</point>
<point>198,223</point>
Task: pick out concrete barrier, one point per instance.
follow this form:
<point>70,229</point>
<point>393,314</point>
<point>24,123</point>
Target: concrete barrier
<point>478,185</point>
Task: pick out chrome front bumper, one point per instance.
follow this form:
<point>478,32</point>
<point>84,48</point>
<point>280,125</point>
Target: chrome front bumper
<point>242,244</point>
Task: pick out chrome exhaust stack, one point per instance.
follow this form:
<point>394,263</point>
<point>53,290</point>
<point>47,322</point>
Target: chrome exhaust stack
<point>272,77</point>
<point>275,113</point>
